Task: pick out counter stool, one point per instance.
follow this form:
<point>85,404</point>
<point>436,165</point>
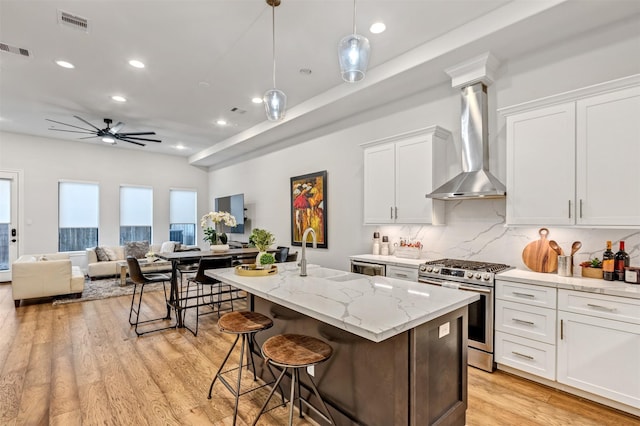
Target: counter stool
<point>243,324</point>
<point>296,352</point>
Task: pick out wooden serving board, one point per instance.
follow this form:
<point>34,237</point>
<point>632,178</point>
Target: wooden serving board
<point>539,256</point>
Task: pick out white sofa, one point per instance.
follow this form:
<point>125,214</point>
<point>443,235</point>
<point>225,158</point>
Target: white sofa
<point>44,275</point>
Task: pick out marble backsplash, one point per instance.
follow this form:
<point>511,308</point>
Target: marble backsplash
<point>476,230</point>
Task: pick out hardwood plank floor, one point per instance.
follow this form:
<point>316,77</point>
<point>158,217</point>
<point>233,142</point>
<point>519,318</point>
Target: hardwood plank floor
<point>82,364</point>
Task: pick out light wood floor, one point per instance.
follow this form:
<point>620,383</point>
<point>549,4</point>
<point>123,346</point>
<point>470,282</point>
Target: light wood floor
<point>81,363</point>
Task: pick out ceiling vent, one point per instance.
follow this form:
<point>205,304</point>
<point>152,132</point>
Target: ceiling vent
<point>12,49</point>
<point>72,21</point>
<point>238,110</point>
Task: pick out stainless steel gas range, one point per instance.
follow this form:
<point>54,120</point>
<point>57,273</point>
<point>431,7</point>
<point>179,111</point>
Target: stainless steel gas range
<point>478,277</point>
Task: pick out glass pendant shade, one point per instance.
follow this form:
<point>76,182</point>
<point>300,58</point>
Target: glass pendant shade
<point>275,104</point>
<point>353,54</point>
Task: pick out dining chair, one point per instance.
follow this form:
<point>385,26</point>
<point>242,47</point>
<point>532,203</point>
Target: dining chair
<point>141,280</point>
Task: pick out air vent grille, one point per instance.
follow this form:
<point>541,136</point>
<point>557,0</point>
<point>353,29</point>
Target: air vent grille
<point>238,110</point>
<point>12,49</point>
<point>73,21</point>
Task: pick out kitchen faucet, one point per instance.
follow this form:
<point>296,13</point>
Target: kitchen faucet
<point>303,260</point>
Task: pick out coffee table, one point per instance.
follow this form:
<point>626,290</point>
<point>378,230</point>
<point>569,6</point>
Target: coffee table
<point>146,265</point>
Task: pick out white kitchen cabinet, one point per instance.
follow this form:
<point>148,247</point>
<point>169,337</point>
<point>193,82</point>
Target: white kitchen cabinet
<point>402,272</point>
<point>399,171</point>
<point>572,158</point>
<point>597,354</point>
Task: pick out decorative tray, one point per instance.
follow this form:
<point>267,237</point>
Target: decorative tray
<point>252,270</point>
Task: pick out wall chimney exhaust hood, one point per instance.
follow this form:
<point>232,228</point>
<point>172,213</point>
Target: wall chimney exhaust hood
<point>475,181</point>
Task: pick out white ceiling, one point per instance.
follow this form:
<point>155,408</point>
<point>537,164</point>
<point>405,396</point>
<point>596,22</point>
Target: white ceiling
<point>204,58</point>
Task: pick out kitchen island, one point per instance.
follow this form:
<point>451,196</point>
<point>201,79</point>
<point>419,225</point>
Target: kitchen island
<point>400,348</point>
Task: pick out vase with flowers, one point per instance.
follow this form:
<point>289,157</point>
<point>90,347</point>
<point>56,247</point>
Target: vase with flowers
<point>262,240</point>
<point>213,225</point>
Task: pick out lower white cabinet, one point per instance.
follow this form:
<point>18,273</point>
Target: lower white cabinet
<point>402,272</point>
<point>526,354</point>
<point>595,353</point>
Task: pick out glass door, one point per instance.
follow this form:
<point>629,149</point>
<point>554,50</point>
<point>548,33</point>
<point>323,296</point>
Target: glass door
<point>8,223</point>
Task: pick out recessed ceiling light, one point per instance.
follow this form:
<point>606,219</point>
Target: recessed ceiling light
<point>377,27</point>
<point>306,71</point>
<point>256,100</point>
<point>136,64</point>
<point>119,98</point>
<point>65,64</point>
<point>180,147</point>
<point>221,122</point>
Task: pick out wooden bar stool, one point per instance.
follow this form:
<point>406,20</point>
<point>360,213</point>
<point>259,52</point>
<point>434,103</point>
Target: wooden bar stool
<point>296,352</point>
<point>243,324</point>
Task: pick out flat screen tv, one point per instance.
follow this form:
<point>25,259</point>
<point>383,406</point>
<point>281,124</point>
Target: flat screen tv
<point>233,204</point>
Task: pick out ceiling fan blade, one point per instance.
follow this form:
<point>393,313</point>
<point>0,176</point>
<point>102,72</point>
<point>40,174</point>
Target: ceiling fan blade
<point>70,125</point>
<point>137,133</point>
<point>89,137</point>
<point>137,143</point>
<point>72,131</point>
<point>122,137</point>
<point>85,121</point>
<point>116,128</point>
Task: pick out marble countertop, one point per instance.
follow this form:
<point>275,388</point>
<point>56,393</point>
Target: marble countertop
<point>372,307</point>
<point>592,285</point>
<point>388,260</point>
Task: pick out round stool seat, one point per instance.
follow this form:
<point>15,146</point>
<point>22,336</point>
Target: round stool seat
<point>295,350</point>
<point>239,322</point>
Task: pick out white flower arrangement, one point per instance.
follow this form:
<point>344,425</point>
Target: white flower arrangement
<point>212,234</point>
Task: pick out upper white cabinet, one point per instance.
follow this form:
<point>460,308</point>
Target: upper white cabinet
<point>572,158</point>
<point>399,171</point>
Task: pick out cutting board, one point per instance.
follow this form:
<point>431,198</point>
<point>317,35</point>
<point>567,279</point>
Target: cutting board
<point>539,256</point>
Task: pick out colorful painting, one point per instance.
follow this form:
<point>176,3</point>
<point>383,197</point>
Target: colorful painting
<point>309,207</point>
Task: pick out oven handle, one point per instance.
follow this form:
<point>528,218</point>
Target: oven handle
<point>460,287</point>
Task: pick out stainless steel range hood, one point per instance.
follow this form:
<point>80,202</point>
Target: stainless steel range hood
<point>475,181</point>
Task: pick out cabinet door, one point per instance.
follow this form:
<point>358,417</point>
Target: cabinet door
<point>413,181</point>
<point>600,356</point>
<point>608,154</point>
<point>379,184</point>
<point>541,166</point>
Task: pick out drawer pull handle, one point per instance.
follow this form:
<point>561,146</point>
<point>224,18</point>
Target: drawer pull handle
<point>603,308</point>
<point>528,296</point>
<point>522,321</point>
<point>529,357</point>
<point>402,275</point>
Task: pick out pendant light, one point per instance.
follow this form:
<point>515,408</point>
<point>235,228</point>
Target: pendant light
<point>353,54</point>
<point>275,101</point>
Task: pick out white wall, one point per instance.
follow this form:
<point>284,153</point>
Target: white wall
<point>475,228</point>
<point>46,161</point>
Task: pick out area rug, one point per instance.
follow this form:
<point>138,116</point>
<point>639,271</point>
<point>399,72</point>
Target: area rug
<point>102,289</point>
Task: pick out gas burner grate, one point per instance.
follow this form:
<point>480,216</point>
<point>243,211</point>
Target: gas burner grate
<point>469,265</point>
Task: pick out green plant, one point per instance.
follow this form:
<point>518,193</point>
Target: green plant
<point>593,263</point>
<point>267,259</point>
<point>261,239</point>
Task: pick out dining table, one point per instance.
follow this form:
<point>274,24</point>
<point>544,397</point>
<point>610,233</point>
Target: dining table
<point>238,255</point>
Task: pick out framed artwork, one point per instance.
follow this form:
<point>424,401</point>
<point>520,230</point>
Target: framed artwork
<point>309,207</point>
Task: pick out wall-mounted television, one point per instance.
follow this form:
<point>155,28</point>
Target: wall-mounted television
<point>233,204</point>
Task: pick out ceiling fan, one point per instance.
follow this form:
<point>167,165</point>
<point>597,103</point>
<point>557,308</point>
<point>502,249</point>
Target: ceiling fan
<point>108,134</point>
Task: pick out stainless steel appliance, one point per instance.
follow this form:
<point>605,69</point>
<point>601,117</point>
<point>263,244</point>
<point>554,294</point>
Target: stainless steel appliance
<point>478,277</point>
<point>367,268</point>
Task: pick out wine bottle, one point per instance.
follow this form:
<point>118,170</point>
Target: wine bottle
<point>621,260</point>
<point>608,263</point>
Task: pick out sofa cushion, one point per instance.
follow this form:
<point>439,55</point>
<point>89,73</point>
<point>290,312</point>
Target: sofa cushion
<point>111,253</point>
<point>102,255</point>
<point>136,249</point>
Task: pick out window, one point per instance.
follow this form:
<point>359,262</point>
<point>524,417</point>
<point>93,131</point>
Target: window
<point>136,214</point>
<point>78,206</point>
<point>182,216</point>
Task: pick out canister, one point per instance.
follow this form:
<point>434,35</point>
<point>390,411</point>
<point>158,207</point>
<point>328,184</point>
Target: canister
<point>565,266</point>
<point>632,274</point>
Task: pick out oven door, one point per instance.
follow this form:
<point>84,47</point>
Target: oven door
<point>480,312</point>
<point>368,268</point>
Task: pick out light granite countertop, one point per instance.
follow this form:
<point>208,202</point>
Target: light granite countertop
<point>388,260</point>
<point>372,307</point>
<point>592,285</point>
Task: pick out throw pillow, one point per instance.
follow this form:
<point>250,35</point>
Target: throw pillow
<point>101,254</point>
<point>111,255</point>
<point>136,249</point>
<point>167,247</point>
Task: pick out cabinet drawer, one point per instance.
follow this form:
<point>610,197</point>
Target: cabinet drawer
<point>600,305</point>
<point>526,293</point>
<point>527,321</point>
<point>403,273</point>
<point>527,355</point>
